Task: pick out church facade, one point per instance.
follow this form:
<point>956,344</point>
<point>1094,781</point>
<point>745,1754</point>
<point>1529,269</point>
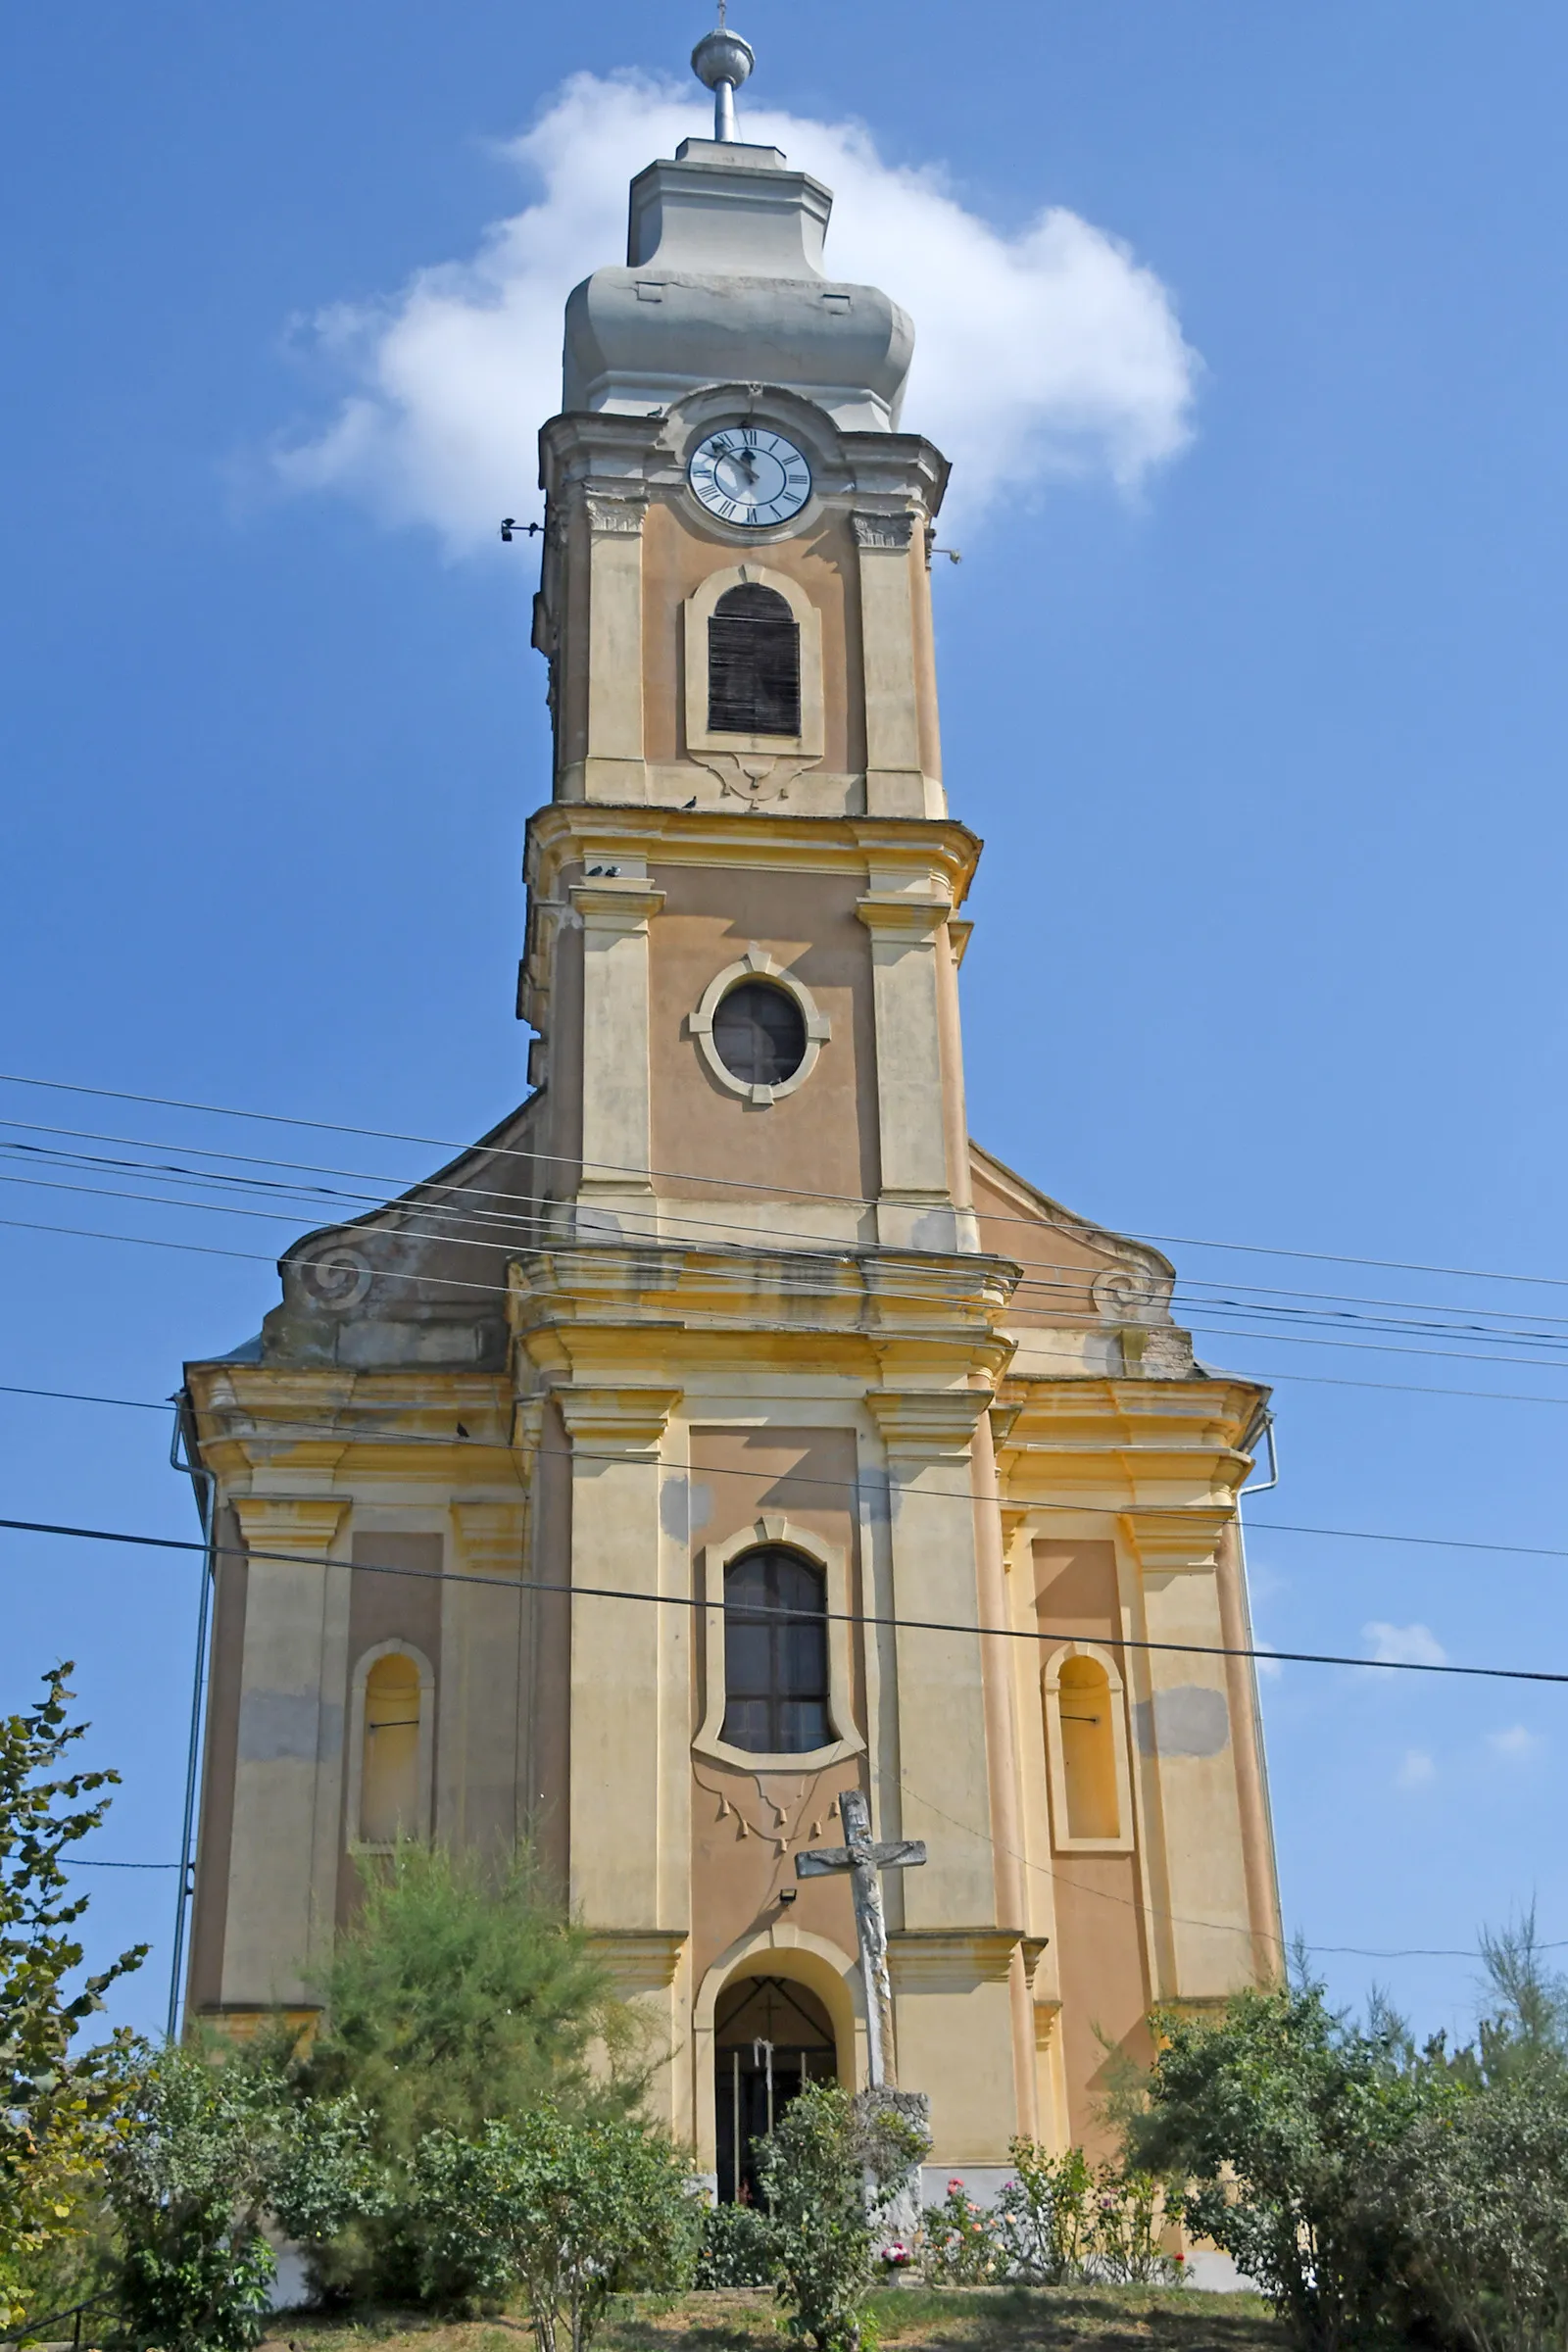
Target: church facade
<point>727,1430</point>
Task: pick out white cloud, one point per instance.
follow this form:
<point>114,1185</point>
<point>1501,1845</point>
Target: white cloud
<point>1041,353</point>
<point>1404,1644</point>
<point>1416,1769</point>
<point>1516,1745</point>
<point>1269,1668</point>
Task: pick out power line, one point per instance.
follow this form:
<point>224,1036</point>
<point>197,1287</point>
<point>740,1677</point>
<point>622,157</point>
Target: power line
<point>861,1617</point>
<point>1358,1346</point>
<point>1068,1224</point>
<point>290,1427</point>
<point>457,1197</point>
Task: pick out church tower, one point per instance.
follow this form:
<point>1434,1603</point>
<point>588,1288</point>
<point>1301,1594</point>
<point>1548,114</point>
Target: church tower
<point>645,1479</point>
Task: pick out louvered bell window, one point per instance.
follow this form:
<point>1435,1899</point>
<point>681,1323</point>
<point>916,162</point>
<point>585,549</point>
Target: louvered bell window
<point>776,1653</point>
<point>753,664</point>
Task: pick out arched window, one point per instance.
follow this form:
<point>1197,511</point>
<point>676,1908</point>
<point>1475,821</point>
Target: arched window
<point>1088,1751</point>
<point>389,1772</point>
<point>775,1654</point>
<point>1086,1740</point>
<point>754,663</point>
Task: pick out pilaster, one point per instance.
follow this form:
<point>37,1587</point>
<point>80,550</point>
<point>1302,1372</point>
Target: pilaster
<point>480,1701</point>
<point>630,1673</point>
<point>289,1774</point>
<point>1186,1737</point>
<point>615,910</point>
<point>613,766</point>
<point>914,1207</point>
<point>895,782</point>
<point>943,1776</point>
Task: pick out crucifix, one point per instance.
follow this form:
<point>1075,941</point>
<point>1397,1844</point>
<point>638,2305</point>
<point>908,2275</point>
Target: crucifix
<point>863,1858</point>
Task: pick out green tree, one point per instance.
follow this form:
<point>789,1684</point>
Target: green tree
<point>460,1995</point>
<point>58,2111</point>
<point>571,2210</point>
<point>829,2171</point>
<point>215,2143</point>
<point>1287,2123</point>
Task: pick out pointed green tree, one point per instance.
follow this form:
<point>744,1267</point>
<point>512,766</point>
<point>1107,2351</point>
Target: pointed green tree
<point>57,2110</point>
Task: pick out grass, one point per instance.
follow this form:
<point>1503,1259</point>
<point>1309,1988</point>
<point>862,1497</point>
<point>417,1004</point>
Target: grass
<point>1061,2319</point>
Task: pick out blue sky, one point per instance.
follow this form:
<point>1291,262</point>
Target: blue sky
<point>1273,733</point>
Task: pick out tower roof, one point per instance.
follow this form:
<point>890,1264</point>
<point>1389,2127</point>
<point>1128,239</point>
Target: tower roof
<point>723,282</point>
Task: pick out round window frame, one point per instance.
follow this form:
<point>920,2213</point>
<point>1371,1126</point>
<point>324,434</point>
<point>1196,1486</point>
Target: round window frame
<point>756,964</point>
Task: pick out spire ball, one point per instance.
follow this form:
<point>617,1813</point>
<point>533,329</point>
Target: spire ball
<point>721,61</point>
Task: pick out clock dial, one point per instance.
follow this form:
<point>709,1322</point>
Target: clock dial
<point>748,475</point>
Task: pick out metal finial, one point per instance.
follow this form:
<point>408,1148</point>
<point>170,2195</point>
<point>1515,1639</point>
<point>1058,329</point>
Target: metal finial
<point>721,61</point>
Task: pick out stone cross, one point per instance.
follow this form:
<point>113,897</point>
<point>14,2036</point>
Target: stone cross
<point>863,1858</point>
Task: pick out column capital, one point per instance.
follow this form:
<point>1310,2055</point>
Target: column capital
<point>300,1524</point>
<point>490,1534</point>
<point>892,533</point>
<point>925,1424</point>
<point>614,518</point>
<point>901,915</point>
<point>1182,1540</point>
<point>623,1421</point>
<point>616,903</point>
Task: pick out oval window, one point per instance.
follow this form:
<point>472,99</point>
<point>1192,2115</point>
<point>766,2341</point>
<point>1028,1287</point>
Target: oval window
<point>760,1034</point>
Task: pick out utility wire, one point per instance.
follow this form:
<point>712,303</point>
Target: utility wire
<point>861,1486</point>
<point>395,1192</point>
<point>697,1321</point>
<point>751,1185</point>
<point>868,1618</point>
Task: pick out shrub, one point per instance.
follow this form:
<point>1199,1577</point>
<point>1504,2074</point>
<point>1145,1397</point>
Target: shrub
<point>1287,2123</point>
<point>736,2249</point>
<point>830,2168</point>
<point>212,2145</point>
<point>1483,2191</point>
<point>1044,2225</point>
<point>958,2240</point>
<point>570,2211</point>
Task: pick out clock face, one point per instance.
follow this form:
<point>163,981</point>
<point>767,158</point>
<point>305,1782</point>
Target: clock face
<point>749,476</point>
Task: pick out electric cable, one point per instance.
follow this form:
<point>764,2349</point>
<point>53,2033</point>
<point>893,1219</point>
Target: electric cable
<point>395,1191</point>
<point>875,1620</point>
<point>868,1486</point>
<point>783,1327</point>
<point>749,1185</point>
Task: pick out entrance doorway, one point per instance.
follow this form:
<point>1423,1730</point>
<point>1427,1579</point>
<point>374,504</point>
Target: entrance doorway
<point>772,2038</point>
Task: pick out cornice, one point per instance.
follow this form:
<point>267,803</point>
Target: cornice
<point>935,849</point>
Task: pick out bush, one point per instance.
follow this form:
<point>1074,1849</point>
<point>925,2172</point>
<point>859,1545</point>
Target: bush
<point>958,2241</point>
<point>736,2249</point>
<point>1288,2122</point>
<point>213,2145</point>
<point>1062,2221</point>
<point>569,2211</point>
<point>1484,2194</point>
<point>830,2168</point>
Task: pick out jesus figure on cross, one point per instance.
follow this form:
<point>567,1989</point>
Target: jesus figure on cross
<point>864,1858</point>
